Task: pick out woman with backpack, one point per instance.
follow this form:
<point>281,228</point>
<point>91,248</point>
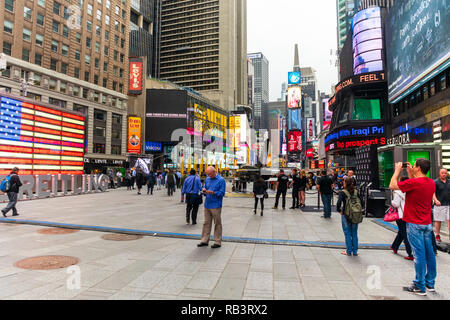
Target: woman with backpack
<point>259,193</point>
<point>350,206</point>
<point>398,202</point>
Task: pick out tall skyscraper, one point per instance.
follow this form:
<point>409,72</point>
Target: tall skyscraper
<point>145,33</point>
<point>261,65</point>
<point>74,56</point>
<point>203,47</point>
<point>345,11</point>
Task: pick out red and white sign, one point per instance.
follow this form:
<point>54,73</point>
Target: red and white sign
<point>136,70</point>
<point>40,139</point>
<point>310,153</point>
<point>295,141</point>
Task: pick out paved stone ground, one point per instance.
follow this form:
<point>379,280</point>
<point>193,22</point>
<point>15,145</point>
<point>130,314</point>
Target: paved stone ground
<point>169,268</point>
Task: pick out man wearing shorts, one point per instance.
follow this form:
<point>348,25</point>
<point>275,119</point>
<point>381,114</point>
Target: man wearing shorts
<point>441,199</point>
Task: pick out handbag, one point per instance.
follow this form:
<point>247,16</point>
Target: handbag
<point>266,195</point>
<point>391,214</point>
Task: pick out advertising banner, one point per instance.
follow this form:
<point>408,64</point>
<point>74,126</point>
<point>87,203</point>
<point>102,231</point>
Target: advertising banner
<point>367,41</point>
<point>327,114</point>
<point>294,97</point>
<point>136,70</point>
<point>294,77</point>
<point>310,129</point>
<point>295,141</point>
<point>134,135</point>
<point>417,43</point>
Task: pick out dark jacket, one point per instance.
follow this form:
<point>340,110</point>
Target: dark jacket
<point>259,187</point>
<point>151,179</point>
<point>15,183</point>
<point>340,205</point>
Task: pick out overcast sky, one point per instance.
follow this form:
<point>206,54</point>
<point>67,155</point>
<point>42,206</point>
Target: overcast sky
<point>275,26</point>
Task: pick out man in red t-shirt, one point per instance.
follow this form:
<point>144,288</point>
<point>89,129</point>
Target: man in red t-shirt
<point>419,190</point>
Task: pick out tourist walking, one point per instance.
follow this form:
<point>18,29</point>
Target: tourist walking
<point>295,184</point>
<point>325,189</point>
<point>350,206</point>
<point>128,179</point>
<point>282,186</point>
<point>140,180</point>
<point>214,192</point>
<point>398,202</point>
<point>302,188</point>
<point>151,181</point>
<point>419,191</point>
<point>12,192</point>
<point>171,182</point>
<point>441,211</point>
<point>259,193</point>
<point>192,188</point>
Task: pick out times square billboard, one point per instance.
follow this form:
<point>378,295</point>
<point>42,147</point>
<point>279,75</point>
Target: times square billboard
<point>417,44</point>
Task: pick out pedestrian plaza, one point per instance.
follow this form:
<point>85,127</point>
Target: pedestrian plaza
<point>286,254</point>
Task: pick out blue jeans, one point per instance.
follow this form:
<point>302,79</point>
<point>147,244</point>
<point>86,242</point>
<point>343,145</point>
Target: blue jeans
<point>351,235</point>
<point>326,200</point>
<point>420,238</point>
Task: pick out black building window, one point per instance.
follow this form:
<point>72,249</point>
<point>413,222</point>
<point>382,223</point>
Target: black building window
<point>99,148</point>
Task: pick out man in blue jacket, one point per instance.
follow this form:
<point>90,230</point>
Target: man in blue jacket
<point>192,188</point>
<point>214,191</point>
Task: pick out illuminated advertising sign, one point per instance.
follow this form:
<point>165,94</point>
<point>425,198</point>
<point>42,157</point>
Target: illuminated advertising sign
<point>310,153</point>
<point>295,141</point>
<point>40,140</point>
<point>310,129</point>
<point>358,80</point>
<point>354,133</point>
<point>134,135</point>
<point>294,97</point>
<point>153,146</point>
<point>136,70</point>
<point>295,119</point>
<point>327,114</point>
<point>357,143</point>
<point>294,77</point>
<point>367,41</point>
<point>417,43</point>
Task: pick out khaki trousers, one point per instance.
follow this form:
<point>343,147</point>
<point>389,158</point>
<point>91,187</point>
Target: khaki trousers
<point>210,215</point>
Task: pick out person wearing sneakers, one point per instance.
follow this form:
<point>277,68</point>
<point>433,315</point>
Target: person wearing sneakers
<point>419,191</point>
<point>441,200</point>
<point>399,203</point>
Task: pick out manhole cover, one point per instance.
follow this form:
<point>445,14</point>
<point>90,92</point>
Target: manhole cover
<point>121,237</point>
<point>56,231</point>
<point>46,262</point>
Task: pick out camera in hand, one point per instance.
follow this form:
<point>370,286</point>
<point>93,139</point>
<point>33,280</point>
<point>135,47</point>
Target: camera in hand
<point>405,165</point>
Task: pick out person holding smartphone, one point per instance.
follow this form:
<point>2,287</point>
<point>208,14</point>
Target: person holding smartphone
<point>214,191</point>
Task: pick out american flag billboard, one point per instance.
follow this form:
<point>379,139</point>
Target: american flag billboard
<point>40,140</point>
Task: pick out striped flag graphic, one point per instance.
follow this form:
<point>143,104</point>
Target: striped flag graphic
<point>40,140</point>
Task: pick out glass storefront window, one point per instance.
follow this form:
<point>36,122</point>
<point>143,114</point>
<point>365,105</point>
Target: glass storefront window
<point>366,109</point>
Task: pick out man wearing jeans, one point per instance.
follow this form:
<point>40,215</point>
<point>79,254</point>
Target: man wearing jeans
<point>419,190</point>
<point>325,188</point>
<point>13,192</point>
<point>214,191</point>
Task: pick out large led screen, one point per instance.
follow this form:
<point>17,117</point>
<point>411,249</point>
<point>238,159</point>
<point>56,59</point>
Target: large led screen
<point>367,41</point>
<point>40,140</point>
<point>327,114</point>
<point>294,97</point>
<point>295,119</point>
<point>165,113</point>
<point>418,44</point>
<point>295,143</point>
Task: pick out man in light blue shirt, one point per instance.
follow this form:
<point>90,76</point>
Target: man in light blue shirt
<point>192,188</point>
<point>214,192</point>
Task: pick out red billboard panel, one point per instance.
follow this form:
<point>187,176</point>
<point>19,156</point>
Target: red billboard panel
<point>295,141</point>
<point>39,139</point>
<point>136,76</point>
